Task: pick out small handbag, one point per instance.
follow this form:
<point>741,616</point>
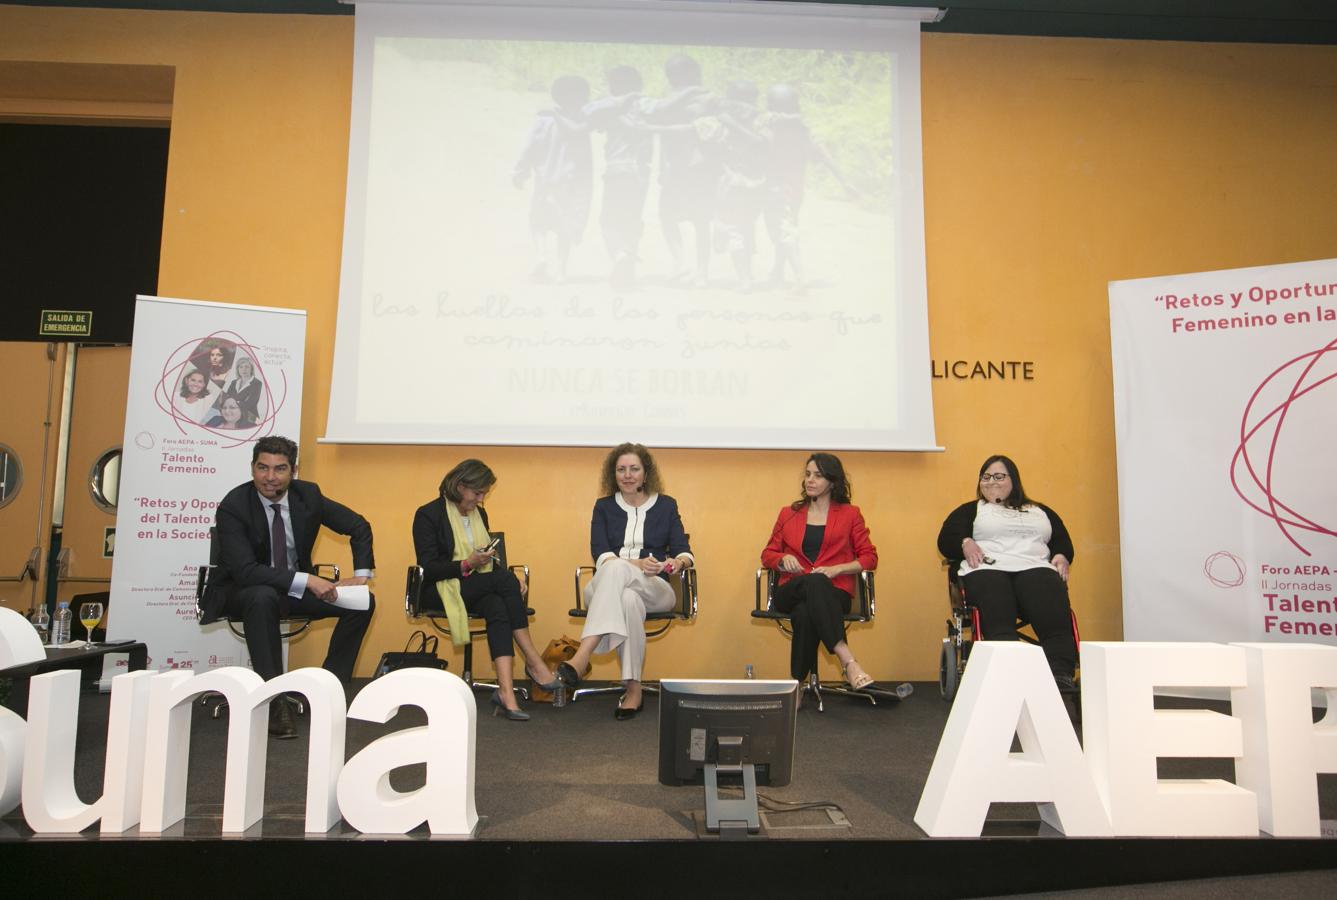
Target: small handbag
<point>558,650</point>
<point>424,657</point>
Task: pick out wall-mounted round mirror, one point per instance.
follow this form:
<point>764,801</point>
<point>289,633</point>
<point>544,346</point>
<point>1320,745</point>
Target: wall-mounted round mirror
<point>104,481</point>
<point>11,474</point>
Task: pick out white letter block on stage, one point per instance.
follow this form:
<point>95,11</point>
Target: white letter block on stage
<point>13,732</point>
<point>1008,690</point>
<point>1284,750</point>
<point>445,744</point>
<point>19,644</point>
<point>248,696</point>
<point>50,804</point>
<point>1125,734</point>
<point>123,773</point>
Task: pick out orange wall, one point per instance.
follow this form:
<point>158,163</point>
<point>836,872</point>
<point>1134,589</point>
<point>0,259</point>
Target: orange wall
<point>97,425</point>
<point>23,410</point>
<point>1051,167</point>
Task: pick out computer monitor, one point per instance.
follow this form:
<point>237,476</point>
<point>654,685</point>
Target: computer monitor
<point>710,727</point>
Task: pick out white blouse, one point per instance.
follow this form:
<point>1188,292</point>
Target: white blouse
<point>1015,539</point>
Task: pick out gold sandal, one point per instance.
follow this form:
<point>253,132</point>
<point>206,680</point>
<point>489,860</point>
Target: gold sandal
<point>860,682</point>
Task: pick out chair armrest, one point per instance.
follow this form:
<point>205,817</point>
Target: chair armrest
<point>328,571</point>
<point>201,585</point>
<point>521,572</point>
<point>866,589</point>
<point>956,595</point>
<point>686,591</point>
<point>765,588</point>
<point>413,592</point>
<point>579,609</point>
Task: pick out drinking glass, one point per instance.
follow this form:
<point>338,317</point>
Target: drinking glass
<point>91,615</point>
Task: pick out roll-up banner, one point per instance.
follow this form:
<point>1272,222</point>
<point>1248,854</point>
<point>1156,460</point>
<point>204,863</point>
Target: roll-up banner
<point>1224,390</point>
<point>207,380</point>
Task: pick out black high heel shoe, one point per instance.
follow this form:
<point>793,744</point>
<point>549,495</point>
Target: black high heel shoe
<point>567,674</point>
<point>622,714</point>
<point>499,708</point>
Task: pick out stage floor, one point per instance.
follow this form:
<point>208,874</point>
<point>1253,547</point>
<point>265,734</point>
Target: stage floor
<point>574,784</point>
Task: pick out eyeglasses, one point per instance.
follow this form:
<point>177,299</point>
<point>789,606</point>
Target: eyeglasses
<point>994,476</point>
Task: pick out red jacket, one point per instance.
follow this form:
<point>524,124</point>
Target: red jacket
<point>846,539</point>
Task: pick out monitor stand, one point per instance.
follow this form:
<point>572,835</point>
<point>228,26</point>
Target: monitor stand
<point>728,816</point>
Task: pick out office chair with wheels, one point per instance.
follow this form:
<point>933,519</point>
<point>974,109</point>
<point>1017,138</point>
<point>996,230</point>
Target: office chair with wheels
<point>289,626</point>
<point>413,606</point>
<point>656,623</point>
<point>862,610</point>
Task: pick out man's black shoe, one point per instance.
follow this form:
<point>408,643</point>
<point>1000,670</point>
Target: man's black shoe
<point>281,725</point>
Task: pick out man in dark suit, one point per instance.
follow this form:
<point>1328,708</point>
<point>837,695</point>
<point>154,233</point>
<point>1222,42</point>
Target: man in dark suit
<point>266,528</point>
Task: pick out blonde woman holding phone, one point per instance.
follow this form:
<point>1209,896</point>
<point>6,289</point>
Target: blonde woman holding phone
<point>458,556</point>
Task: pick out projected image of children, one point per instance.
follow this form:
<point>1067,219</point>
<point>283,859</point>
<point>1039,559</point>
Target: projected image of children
<point>557,154</point>
<point>743,179</point>
<point>627,232</point>
<point>791,149</point>
<point>629,151</point>
<point>688,169</point>
<point>725,164</point>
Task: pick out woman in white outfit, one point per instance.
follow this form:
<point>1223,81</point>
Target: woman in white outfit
<point>195,400</point>
<point>637,541</point>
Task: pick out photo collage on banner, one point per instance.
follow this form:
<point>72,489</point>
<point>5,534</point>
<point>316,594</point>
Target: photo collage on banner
<point>1223,392</point>
<point>207,380</point>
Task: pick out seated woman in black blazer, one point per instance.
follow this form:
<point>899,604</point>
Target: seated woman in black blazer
<point>637,541</point>
<point>1013,556</point>
<point>451,541</point>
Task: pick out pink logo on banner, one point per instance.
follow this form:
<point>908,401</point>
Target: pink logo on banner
<point>218,385</point>
<point>1224,569</point>
<point>1267,430</point>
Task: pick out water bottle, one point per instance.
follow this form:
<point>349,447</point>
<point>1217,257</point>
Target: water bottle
<point>904,689</point>
<point>559,695</point>
<point>747,671</point>
<point>41,620</point>
<point>60,629</point>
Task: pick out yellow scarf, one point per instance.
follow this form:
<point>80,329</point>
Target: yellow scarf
<point>449,588</point>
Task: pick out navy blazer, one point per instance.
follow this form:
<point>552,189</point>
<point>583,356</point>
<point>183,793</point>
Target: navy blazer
<point>242,532</point>
<point>663,534</point>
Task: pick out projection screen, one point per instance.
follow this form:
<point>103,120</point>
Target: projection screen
<point>692,224</point>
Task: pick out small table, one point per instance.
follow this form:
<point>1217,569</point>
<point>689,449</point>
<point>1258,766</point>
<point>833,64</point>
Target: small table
<point>87,659</point>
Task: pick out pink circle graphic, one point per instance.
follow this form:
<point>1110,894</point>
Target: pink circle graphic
<point>1224,569</point>
<point>211,364</point>
<point>1255,468</point>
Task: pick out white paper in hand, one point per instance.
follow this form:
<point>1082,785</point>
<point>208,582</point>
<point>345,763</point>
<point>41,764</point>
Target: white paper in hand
<point>353,596</point>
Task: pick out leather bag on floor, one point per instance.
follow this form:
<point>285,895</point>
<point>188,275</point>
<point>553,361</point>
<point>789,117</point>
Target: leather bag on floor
<point>558,650</point>
<point>418,653</point>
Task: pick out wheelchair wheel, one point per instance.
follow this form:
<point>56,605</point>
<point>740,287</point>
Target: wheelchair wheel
<point>947,670</point>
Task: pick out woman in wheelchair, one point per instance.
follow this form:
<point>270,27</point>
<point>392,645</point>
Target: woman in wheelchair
<point>818,544</point>
<point>1012,555</point>
<point>637,540</point>
<point>452,545</point>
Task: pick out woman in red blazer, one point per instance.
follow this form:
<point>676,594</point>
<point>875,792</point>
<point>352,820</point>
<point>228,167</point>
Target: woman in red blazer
<point>818,545</point>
